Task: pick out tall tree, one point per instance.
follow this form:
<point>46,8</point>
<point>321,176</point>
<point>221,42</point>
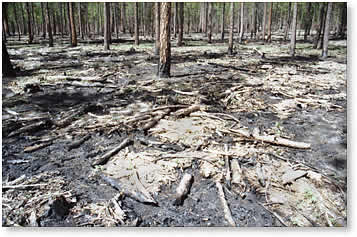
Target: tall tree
<point>209,27</point>
<point>264,20</point>
<point>253,27</point>
<point>24,31</point>
<point>181,23</point>
<point>43,22</point>
<point>230,42</point>
<point>343,22</point>
<point>7,69</point>
<point>69,26</point>
<point>241,33</point>
<point>136,16</point>
<point>49,28</point>
<point>73,26</point>
<point>17,22</point>
<point>320,29</point>
<point>307,20</point>
<point>106,25</point>
<point>287,24</point>
<point>222,21</point>
<point>175,18</point>
<point>165,46</point>
<point>122,16</point>
<point>293,31</point>
<point>29,27</point>
<point>157,28</point>
<point>80,22</point>
<point>270,21</point>
<point>326,31</point>
<point>5,18</point>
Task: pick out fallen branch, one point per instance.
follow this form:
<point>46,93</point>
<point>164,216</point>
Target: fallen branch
<point>193,93</point>
<point>272,139</point>
<point>183,189</point>
<point>32,127</point>
<point>37,147</point>
<point>275,214</point>
<point>226,210</point>
<point>24,186</point>
<point>78,143</point>
<point>187,111</point>
<point>104,159</point>
<point>131,194</point>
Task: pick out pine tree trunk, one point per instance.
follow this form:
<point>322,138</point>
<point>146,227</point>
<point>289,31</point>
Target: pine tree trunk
<point>222,21</point>
<point>33,19</point>
<point>7,69</point>
<point>293,31</point>
<point>5,18</point>
<point>241,33</point>
<point>264,20</point>
<point>209,27</point>
<point>287,25</point>
<point>165,47</point>
<point>80,23</point>
<point>29,27</point>
<point>49,28</point>
<point>24,31</point>
<point>157,28</point>
<point>318,33</point>
<point>69,23</point>
<point>253,27</point>
<point>106,25</point>
<point>181,23</point>
<point>73,26</point>
<point>122,15</point>
<point>43,22</point>
<point>326,31</point>
<point>231,29</point>
<point>136,16</point>
<point>308,20</point>
<point>61,18</point>
<point>17,22</point>
<point>270,21</point>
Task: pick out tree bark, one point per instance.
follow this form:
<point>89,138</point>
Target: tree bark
<point>287,25</point>
<point>326,31</point>
<point>43,22</point>
<point>80,22</point>
<point>17,22</point>
<point>181,23</point>
<point>293,31</point>
<point>136,13</point>
<point>318,33</point>
<point>241,33</point>
<point>49,28</point>
<point>222,21</point>
<point>230,42</point>
<point>73,26</point>
<point>270,21</point>
<point>165,46</point>
<point>264,20</point>
<point>29,23</point>
<point>175,18</point>
<point>69,23</point>
<point>122,15</point>
<point>5,18</point>
<point>253,26</point>
<point>209,27</point>
<point>106,25</point>
<point>7,69</point>
<point>157,28</point>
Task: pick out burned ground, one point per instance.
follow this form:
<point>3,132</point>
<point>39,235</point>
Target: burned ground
<point>63,95</point>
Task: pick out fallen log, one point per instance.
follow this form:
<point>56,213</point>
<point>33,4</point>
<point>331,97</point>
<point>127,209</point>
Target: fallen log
<point>272,139</point>
<point>104,158</point>
<point>131,194</point>
<point>226,210</point>
<point>32,127</point>
<point>183,189</point>
<point>78,143</point>
<point>37,147</point>
<point>187,111</point>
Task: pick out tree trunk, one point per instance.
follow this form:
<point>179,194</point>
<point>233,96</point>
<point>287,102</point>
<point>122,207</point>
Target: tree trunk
<point>318,33</point>
<point>80,23</point>
<point>43,22</point>
<point>54,23</point>
<point>270,21</point>
<point>5,18</point>
<point>253,27</point>
<point>157,28</point>
<point>287,25</point>
<point>206,17</point>
<point>241,33</point>
<point>122,15</point>
<point>17,22</point>
<point>61,18</point>
<point>343,20</point>
<point>73,26</point>
<point>307,20</point>
<point>209,27</point>
<point>33,19</point>
<point>222,21</point>
<point>106,25</point>
<point>7,69</point>
<point>175,18</point>
<point>230,42</point>
<point>264,20</point>
<point>165,47</point>
<point>69,23</point>
<point>136,15</point>
<point>49,28</point>
<point>181,23</point>
<point>29,27</point>
<point>326,31</point>
<point>24,31</point>
<point>293,31</point>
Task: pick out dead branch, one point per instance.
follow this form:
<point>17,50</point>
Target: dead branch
<point>37,147</point>
<point>183,189</point>
<point>187,111</point>
<point>226,209</point>
<point>272,139</point>
<point>193,93</point>
<point>32,127</point>
<point>23,186</point>
<point>104,158</point>
<point>78,143</point>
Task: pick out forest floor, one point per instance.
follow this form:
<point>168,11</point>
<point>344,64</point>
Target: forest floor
<point>94,138</point>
